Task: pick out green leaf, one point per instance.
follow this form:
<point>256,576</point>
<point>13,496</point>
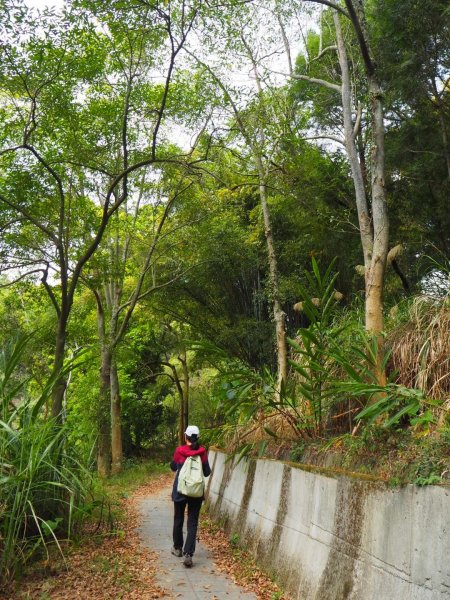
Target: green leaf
<point>270,432</point>
<point>410,409</point>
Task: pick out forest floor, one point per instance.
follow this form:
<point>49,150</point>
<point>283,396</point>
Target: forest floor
<point>116,565</point>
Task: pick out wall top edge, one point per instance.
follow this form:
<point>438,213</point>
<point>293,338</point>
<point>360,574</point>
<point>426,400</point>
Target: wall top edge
<point>335,472</point>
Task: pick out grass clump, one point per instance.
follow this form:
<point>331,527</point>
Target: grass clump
<point>48,494</point>
<point>43,484</point>
<point>420,346</point>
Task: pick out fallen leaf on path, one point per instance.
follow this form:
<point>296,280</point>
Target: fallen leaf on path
<point>106,567</point>
<point>237,564</point>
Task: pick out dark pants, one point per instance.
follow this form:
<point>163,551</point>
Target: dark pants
<point>194,505</point>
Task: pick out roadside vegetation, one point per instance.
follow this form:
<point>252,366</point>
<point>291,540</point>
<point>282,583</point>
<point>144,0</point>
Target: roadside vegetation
<point>104,557</point>
<point>333,412</point>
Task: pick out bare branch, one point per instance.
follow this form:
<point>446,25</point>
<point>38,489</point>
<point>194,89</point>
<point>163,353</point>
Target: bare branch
<point>86,166</point>
<point>136,295</point>
<point>31,124</point>
<point>236,111</point>
<point>181,226</point>
<point>175,51</point>
<point>7,225</point>
<point>285,42</point>
<point>110,209</point>
<point>322,82</point>
<point>13,149</point>
<point>331,5</point>
<point>50,292</point>
<point>324,51</point>
<point>326,137</point>
<point>17,279</point>
<point>363,44</point>
<point>62,207</point>
<point>126,113</point>
<point>169,282</point>
<point>46,166</point>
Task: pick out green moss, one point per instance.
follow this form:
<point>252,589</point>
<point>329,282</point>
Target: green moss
<point>334,472</point>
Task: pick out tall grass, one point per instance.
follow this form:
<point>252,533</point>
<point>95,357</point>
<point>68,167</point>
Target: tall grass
<point>42,484</point>
<point>421,346</point>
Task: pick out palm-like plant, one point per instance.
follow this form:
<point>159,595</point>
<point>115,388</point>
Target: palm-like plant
<point>313,346</point>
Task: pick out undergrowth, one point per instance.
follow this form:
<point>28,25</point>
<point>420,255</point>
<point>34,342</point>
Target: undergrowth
<point>334,409</point>
<point>397,455</point>
<point>106,526</point>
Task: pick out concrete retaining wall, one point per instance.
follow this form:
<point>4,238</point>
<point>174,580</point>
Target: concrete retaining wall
<point>334,537</point>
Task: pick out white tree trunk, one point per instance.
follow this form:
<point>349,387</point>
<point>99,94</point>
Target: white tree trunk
<point>364,220</point>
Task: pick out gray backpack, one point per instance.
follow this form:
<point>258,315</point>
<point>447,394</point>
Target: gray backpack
<point>191,482</point>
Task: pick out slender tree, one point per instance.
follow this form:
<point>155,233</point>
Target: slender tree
<point>250,123</point>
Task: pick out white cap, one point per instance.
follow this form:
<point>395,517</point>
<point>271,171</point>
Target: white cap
<point>192,430</point>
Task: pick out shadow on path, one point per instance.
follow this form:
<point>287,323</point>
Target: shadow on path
<point>202,581</point>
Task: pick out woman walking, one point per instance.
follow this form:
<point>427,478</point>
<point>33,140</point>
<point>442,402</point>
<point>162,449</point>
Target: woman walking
<point>191,448</point>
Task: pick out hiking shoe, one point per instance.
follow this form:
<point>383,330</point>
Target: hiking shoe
<point>176,551</point>
<point>187,562</point>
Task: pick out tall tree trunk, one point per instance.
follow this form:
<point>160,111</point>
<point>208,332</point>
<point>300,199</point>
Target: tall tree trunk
<point>376,274</point>
<point>375,250</point>
<point>185,389</point>
<point>103,415</point>
<point>113,296</point>
<point>58,363</point>
<point>374,234</point>
<point>182,423</point>
<point>257,150</point>
<point>444,134</point>
<point>116,422</point>
<point>119,251</point>
<point>278,313</point>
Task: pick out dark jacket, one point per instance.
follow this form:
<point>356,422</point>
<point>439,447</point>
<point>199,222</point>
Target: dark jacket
<point>179,458</point>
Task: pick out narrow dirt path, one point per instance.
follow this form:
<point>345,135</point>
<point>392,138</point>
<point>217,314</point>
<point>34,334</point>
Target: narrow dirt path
<point>201,582</point>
